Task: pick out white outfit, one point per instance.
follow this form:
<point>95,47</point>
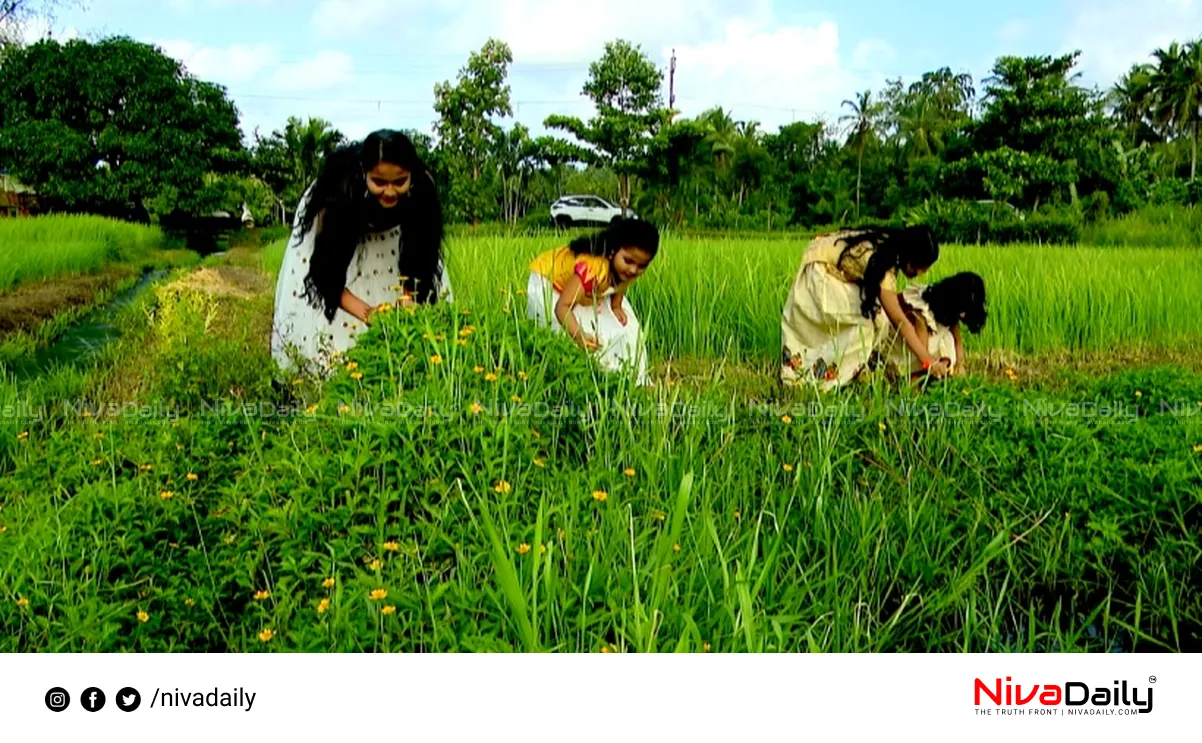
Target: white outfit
<point>622,346</point>
<point>371,276</point>
<point>940,341</point>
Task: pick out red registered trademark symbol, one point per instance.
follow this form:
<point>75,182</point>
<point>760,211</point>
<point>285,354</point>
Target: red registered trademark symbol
<point>1151,679</point>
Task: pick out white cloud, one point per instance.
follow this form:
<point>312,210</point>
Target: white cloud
<point>1115,34</point>
<point>345,18</point>
<point>322,71</point>
<point>234,64</point>
<point>776,74</point>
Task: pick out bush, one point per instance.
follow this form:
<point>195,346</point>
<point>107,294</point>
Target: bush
<point>974,223</point>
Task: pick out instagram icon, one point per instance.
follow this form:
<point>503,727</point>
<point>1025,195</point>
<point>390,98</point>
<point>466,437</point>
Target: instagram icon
<point>57,699</point>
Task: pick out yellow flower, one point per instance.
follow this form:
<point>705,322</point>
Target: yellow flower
<point>390,609</point>
<point>143,616</point>
<point>477,369</point>
<point>788,467</point>
<point>523,548</point>
<point>146,467</point>
<point>490,377</point>
<point>376,565</point>
<point>192,476</point>
<point>705,647</point>
<point>391,546</point>
<point>298,380</point>
<point>523,376</point>
<point>658,515</point>
<point>440,337</point>
<point>3,528</point>
<point>99,434</point>
<point>384,308</point>
<point>378,594</point>
<point>676,548</point>
<point>166,495</point>
<point>189,602</point>
<point>542,549</point>
<point>266,635</point>
<point>87,413</point>
<point>1138,393</point>
<point>881,425</point>
<point>327,583</point>
<point>477,408</point>
<point>23,435</point>
<point>502,487</point>
<point>600,495</point>
<point>343,409</point>
<point>461,342</point>
<point>539,463</point>
<point>22,602</point>
<point>97,461</point>
<point>517,399</point>
<point>466,331</point>
<point>356,376</point>
<point>311,410</point>
<point>738,515</point>
<point>352,365</point>
<point>323,606</point>
<point>1198,448</point>
<point>436,359</point>
<point>629,472</point>
<point>605,649</point>
<point>785,419</point>
<point>262,595</point>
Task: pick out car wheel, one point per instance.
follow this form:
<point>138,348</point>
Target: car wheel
<point>563,221</point>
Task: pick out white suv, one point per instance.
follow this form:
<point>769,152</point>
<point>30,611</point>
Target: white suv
<point>570,210</point>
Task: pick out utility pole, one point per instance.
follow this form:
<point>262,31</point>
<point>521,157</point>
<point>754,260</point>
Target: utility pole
<point>672,85</point>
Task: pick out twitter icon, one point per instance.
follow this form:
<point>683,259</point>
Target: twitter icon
<point>128,699</point>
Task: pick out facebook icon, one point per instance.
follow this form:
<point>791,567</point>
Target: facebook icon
<point>92,699</point>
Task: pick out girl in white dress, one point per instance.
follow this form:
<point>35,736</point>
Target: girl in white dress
<point>368,233</point>
<point>937,312</point>
<point>580,289</point>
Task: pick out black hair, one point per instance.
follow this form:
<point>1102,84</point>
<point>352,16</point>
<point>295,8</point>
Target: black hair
<point>964,292</point>
<point>621,233</point>
<point>891,248</point>
<point>348,212</point>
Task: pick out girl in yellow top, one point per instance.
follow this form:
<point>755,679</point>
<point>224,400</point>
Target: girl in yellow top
<point>844,299</point>
<point>581,288</point>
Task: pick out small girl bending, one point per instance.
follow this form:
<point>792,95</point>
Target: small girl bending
<point>581,289</point>
<point>936,312</point>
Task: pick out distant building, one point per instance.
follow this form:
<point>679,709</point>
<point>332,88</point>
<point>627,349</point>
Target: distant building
<point>16,199</point>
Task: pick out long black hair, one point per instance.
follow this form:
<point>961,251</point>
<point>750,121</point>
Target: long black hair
<point>621,233</point>
<point>348,212</point>
<point>891,248</point>
<point>962,293</point>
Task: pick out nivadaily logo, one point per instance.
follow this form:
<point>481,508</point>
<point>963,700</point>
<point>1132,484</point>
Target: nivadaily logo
<point>1072,697</point>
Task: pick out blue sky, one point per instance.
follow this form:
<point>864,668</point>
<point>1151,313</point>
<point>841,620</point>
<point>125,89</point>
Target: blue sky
<point>368,64</point>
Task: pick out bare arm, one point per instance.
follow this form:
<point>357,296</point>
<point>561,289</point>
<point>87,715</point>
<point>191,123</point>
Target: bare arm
<point>961,359</point>
<point>616,300</point>
<point>896,316</point>
<point>355,306</point>
<point>568,300</point>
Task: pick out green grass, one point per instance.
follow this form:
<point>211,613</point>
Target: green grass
<point>723,297</point>
<point>41,247</point>
<point>974,517</point>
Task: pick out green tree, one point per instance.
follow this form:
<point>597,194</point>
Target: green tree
<point>289,161</point>
<point>98,126</point>
<point>1177,82</point>
<point>466,131</point>
<point>624,86</point>
<point>864,123</point>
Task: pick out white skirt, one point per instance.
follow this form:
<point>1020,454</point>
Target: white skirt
<point>621,346</point>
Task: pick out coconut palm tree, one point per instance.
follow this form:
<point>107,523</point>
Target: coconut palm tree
<point>1177,85</point>
<point>308,143</point>
<point>864,123</point>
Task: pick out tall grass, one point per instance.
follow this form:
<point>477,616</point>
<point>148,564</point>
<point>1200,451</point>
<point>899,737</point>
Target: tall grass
<point>724,297</point>
<point>40,247</point>
<point>1150,227</point>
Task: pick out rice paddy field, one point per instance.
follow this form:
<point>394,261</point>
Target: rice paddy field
<point>32,249</point>
<point>467,482</point>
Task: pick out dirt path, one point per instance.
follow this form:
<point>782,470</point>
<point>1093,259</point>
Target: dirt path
<point>30,305</point>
